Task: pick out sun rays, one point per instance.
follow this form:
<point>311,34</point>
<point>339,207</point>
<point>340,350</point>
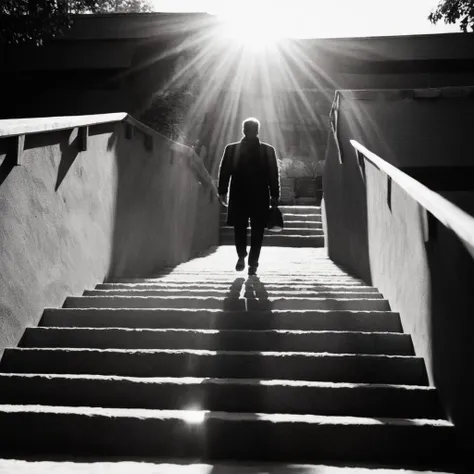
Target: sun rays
<point>241,67</point>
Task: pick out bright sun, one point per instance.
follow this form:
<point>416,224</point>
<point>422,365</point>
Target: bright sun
<point>254,31</point>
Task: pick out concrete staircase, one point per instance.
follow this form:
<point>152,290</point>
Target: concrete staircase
<point>303,364</point>
<point>303,228</point>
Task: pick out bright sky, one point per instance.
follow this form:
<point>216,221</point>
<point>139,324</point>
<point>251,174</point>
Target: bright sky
<point>323,18</point>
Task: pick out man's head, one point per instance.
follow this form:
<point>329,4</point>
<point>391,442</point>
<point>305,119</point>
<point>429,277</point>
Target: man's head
<point>250,127</point>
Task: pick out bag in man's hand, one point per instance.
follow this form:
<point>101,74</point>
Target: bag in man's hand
<point>275,220</point>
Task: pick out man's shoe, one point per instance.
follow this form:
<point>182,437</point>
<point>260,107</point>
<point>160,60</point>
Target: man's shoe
<point>240,264</point>
<point>252,270</point>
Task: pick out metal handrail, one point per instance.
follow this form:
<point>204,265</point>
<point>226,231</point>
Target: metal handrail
<point>450,215</point>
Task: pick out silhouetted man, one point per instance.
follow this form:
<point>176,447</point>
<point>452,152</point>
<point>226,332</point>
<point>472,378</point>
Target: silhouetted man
<point>255,179</point>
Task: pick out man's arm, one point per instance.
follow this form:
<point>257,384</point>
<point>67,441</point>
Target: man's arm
<point>225,171</point>
<point>274,175</point>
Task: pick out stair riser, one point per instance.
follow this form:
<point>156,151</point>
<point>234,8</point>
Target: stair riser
<point>288,218</point>
<point>142,318</point>
<point>229,232</point>
<point>225,280</point>
<point>302,214</point>
<point>292,222</point>
<point>390,344</point>
<point>230,397</point>
<point>233,293</point>
<point>283,241</point>
<point>229,277</point>
<point>324,368</point>
<point>229,304</point>
<point>301,224</point>
<point>166,286</point>
<point>301,209</point>
<point>216,439</point>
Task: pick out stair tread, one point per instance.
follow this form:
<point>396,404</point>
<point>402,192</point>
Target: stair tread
<point>174,466</point>
<point>222,381</point>
<point>190,415</point>
<point>293,332</point>
<point>217,353</point>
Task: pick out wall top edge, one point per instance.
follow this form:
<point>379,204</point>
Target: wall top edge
<point>391,94</point>
<point>450,215</point>
<point>26,126</point>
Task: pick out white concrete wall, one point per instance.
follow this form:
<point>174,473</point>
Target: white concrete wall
<point>378,231</point>
<point>70,219</point>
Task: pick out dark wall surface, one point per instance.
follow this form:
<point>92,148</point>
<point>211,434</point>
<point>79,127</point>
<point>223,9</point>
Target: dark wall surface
<point>111,63</point>
<point>71,219</point>
<point>374,228</point>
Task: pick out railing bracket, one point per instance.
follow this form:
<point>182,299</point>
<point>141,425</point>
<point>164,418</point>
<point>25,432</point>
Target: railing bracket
<point>128,131</point>
<point>18,146</point>
<point>148,140</point>
<point>82,138</point>
<point>389,192</point>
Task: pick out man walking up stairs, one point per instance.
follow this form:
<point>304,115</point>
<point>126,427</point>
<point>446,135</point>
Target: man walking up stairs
<point>304,364</point>
<point>303,228</point>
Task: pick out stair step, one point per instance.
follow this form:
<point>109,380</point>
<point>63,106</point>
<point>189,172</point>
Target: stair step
<point>233,340</point>
<point>229,278</point>
<point>297,241</point>
<point>230,395</point>
<point>182,467</point>
<point>290,217</point>
<point>324,367</point>
<point>281,287</point>
<point>287,231</point>
<point>229,292</point>
<point>300,209</point>
<point>218,435</point>
<point>293,222</point>
<point>202,302</point>
<point>383,321</point>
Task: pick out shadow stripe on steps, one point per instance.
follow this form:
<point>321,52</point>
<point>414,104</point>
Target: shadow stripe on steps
<point>231,395</point>
<point>384,321</point>
<point>211,435</point>
<point>355,368</point>
<point>228,303</point>
<point>247,340</point>
<point>222,293</point>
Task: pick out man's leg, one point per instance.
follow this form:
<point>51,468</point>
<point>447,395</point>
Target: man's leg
<point>240,239</point>
<point>256,241</point>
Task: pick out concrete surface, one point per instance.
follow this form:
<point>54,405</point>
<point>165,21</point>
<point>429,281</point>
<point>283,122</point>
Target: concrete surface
<point>214,384</point>
<point>383,236</point>
<point>71,219</point>
<point>24,467</point>
<point>302,228</point>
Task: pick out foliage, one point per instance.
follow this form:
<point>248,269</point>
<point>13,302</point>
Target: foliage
<point>33,21</point>
<point>295,168</point>
<point>167,113</point>
<point>122,6</point>
<point>452,11</point>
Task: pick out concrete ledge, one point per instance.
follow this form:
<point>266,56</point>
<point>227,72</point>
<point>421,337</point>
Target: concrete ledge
<point>126,467</point>
<point>230,395</point>
<point>234,340</point>
<point>363,304</point>
<point>226,292</point>
<point>213,435</point>
<point>208,319</point>
<point>327,367</point>
<point>173,286</point>
<point>12,127</point>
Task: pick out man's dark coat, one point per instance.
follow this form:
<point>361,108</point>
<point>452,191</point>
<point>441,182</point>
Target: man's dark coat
<point>252,168</point>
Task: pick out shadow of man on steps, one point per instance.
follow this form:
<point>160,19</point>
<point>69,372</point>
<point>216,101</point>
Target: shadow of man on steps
<point>239,390</point>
